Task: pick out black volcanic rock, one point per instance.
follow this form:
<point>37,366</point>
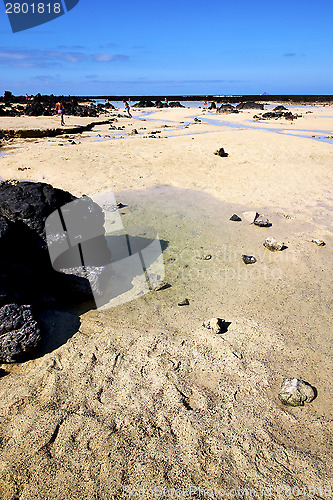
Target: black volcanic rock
<point>9,110</point>
<point>160,104</point>
<point>280,108</point>
<point>175,104</point>
<point>212,106</point>
<point>4,227</point>
<point>227,108</point>
<point>270,115</point>
<point>27,275</point>
<point>144,104</point>
<point>8,97</point>
<point>221,152</point>
<point>108,105</point>
<point>19,333</point>
<point>31,203</point>
<point>35,109</point>
<point>250,105</point>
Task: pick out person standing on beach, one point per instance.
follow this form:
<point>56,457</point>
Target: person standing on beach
<point>127,108</point>
<point>60,109</point>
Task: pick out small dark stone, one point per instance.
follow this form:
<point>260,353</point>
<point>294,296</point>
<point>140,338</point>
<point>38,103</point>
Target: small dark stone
<point>235,218</point>
<point>249,259</point>
<point>19,333</point>
<point>221,152</point>
<point>184,302</point>
<point>3,373</point>
<point>162,286</point>
<point>261,222</point>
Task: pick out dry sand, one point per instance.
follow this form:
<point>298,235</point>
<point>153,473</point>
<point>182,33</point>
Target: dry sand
<point>141,395</point>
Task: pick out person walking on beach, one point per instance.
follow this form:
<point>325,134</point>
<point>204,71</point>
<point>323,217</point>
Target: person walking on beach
<point>60,109</point>
<point>127,108</point>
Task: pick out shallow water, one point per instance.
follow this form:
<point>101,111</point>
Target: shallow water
<point>305,134</point>
<point>195,224</point>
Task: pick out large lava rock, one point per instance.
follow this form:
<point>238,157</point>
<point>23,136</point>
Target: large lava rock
<point>250,105</point>
<point>31,203</point>
<point>19,333</point>
<point>269,115</point>
<point>27,275</point>
<point>175,104</point>
<point>144,104</point>
<point>160,104</point>
<point>227,108</point>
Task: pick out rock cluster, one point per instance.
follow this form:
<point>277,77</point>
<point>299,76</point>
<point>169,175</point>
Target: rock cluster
<point>157,104</point>
<point>276,115</point>
<point>46,107</point>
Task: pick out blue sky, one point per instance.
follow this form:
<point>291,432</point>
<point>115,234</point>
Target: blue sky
<point>108,47</point>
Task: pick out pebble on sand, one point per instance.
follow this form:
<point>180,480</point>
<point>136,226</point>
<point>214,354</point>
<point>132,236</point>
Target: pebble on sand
<point>273,245</point>
<point>184,302</point>
<point>235,218</point>
<point>249,259</point>
<point>162,286</point>
<point>319,243</point>
<point>295,392</point>
<point>221,152</point>
<point>215,324</point>
<point>261,222</point>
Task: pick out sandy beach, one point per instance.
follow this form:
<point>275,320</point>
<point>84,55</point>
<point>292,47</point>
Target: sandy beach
<point>142,396</point>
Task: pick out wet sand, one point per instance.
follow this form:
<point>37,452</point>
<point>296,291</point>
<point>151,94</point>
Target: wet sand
<point>142,395</point>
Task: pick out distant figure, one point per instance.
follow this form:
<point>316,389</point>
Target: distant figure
<point>166,101</point>
<point>60,109</point>
<point>127,108</point>
<point>26,97</point>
